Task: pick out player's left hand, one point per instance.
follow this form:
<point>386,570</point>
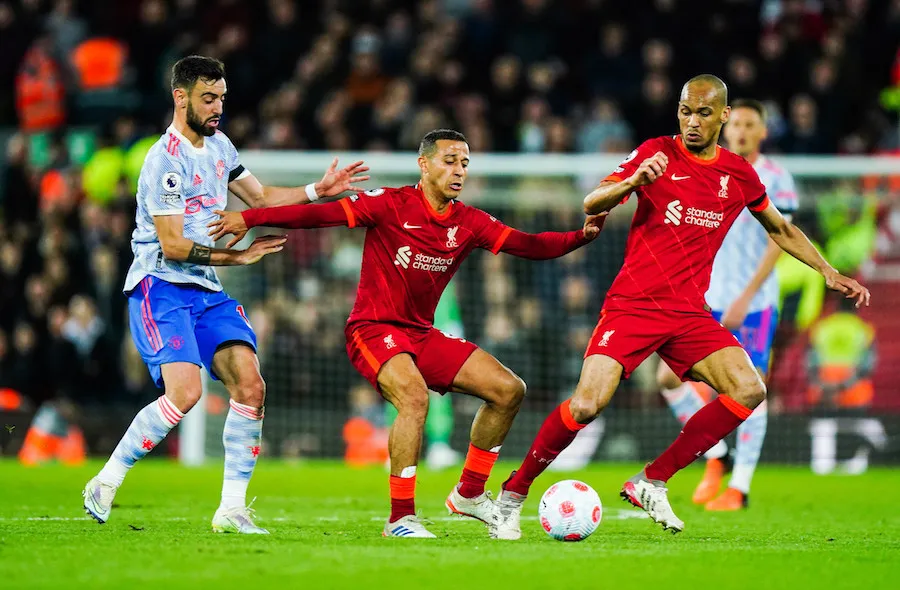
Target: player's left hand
<point>229,222</point>
<point>340,181</point>
<point>734,316</point>
<point>849,287</point>
<point>593,224</point>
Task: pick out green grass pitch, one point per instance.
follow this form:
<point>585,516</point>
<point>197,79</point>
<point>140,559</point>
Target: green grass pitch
<point>802,531</point>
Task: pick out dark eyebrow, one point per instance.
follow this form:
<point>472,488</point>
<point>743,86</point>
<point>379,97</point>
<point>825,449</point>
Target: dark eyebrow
<point>212,94</point>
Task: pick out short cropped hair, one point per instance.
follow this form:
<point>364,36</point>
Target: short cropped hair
<point>750,103</point>
<point>188,70</point>
<point>428,143</point>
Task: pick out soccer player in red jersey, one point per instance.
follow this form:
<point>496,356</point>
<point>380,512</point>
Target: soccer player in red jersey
<point>689,191</point>
<point>416,238</point>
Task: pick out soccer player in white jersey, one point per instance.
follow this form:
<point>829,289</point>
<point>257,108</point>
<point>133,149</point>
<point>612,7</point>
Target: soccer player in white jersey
<point>180,318</point>
<point>743,296</point>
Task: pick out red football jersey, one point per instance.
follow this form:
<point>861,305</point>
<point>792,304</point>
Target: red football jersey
<point>679,225</point>
<point>411,252</point>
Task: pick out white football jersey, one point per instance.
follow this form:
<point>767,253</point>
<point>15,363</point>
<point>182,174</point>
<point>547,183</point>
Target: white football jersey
<point>179,179</point>
<point>746,242</point>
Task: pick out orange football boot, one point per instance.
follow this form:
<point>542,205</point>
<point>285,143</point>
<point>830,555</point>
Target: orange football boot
<point>730,500</point>
<point>712,480</point>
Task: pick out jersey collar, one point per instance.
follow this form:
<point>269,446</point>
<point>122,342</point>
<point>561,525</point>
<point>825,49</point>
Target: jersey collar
<point>186,142</point>
<point>430,209</point>
<point>695,158</point>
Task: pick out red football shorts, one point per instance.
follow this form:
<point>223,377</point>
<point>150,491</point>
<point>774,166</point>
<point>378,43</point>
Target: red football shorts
<point>681,339</point>
<point>438,356</point>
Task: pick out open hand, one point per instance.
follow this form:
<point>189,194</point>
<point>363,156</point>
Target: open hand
<point>337,181</point>
<point>650,170</point>
<point>849,287</point>
<point>229,222</point>
<point>261,246</point>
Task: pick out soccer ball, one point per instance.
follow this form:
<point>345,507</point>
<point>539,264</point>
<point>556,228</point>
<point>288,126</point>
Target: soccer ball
<point>570,510</point>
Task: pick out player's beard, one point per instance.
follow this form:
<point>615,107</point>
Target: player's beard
<point>197,125</point>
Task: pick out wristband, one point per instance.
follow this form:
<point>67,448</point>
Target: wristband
<point>311,192</point>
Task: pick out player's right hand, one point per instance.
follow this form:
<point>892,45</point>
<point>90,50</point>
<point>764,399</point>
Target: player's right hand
<point>261,246</point>
<point>650,170</point>
<point>849,287</point>
<point>229,222</point>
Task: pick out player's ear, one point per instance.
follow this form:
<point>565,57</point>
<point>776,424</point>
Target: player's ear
<point>726,112</point>
<point>423,164</point>
<point>180,96</point>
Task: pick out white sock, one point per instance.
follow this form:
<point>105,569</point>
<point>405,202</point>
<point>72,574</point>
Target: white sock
<point>241,438</point>
<point>148,428</point>
<point>750,437</point>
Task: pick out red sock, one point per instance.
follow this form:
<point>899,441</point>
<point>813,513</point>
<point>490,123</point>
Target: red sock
<point>403,497</point>
<point>556,433</point>
<point>476,471</point>
<point>708,426</point>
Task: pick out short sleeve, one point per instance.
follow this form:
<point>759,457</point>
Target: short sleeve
<point>784,193</point>
<point>634,159</point>
<point>490,233</point>
<point>755,197</point>
<point>366,209</point>
<point>161,185</point>
<point>236,170</point>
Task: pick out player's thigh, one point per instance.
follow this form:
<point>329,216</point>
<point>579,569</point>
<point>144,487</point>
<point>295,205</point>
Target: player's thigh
<point>440,358</point>
<point>486,378</point>
<point>402,384</point>
<point>628,337</point>
<point>730,372</point>
<point>600,377</point>
<point>162,328</point>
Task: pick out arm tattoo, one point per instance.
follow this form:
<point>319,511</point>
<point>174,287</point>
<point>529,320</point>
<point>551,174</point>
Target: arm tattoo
<point>199,254</point>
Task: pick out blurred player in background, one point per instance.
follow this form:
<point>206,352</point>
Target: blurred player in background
<point>690,191</point>
<point>417,237</point>
<point>180,318</point>
<point>743,295</point>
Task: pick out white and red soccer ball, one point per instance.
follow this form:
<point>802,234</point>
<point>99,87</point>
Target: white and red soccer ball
<point>570,510</point>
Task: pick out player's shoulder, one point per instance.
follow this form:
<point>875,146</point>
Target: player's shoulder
<point>220,139</point>
<point>773,167</point>
<point>165,153</point>
<point>735,164</point>
<point>663,143</point>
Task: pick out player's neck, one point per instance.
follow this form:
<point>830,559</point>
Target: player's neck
<point>435,200</point>
<point>184,129</point>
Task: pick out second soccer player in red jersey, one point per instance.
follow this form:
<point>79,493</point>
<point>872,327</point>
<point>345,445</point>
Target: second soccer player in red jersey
<point>689,192</point>
<point>416,239</point>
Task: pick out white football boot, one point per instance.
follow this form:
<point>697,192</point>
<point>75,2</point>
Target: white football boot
<point>98,499</point>
<point>480,507</point>
<point>236,520</point>
<point>651,496</point>
<point>407,527</point>
<point>508,513</point>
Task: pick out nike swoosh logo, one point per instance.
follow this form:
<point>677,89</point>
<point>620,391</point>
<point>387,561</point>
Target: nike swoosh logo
<point>680,177</point>
<point>406,225</point>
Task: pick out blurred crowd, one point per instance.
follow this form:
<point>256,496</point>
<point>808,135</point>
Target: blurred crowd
<point>85,92</point>
<point>513,75</point>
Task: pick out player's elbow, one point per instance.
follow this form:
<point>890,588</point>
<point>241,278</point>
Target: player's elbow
<point>173,250</point>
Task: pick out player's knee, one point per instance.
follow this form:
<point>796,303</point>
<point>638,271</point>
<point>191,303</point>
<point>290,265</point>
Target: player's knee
<point>413,403</point>
<point>585,408</point>
<point>512,392</point>
<point>750,392</point>
<point>253,392</point>
<point>184,397</point>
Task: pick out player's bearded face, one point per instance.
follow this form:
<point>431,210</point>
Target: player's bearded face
<point>745,131</point>
<point>204,107</point>
<point>701,115</point>
<point>447,169</point>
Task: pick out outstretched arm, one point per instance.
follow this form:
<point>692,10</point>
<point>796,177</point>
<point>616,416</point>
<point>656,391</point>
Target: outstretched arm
<point>612,192</point>
<point>248,189</point>
<point>794,242</point>
<point>547,245</point>
<point>292,217</point>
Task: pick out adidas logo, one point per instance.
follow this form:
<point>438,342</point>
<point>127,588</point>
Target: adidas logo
<point>197,179</point>
<point>673,212</point>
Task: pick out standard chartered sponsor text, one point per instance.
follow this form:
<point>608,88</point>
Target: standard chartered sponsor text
<point>432,263</point>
